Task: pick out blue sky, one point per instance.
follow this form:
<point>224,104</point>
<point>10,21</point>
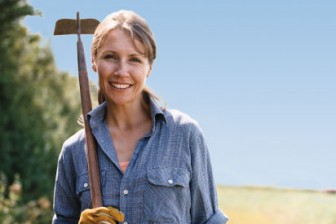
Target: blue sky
<point>259,76</point>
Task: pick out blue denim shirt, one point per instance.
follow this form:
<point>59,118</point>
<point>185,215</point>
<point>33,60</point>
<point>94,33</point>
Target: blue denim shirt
<point>168,179</point>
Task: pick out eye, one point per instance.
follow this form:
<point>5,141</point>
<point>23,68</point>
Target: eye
<point>135,59</point>
<point>109,57</point>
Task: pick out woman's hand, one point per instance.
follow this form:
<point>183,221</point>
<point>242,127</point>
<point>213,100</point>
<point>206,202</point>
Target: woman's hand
<point>101,215</point>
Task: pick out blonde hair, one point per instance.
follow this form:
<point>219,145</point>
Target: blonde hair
<point>137,28</point>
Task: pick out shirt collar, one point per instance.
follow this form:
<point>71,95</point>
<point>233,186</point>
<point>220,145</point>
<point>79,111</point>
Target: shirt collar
<point>156,111</point>
<point>97,115</point>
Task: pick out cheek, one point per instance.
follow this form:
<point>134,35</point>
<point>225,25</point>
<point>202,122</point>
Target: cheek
<point>145,72</point>
<point>103,75</point>
<point>101,80</point>
<point>103,70</point>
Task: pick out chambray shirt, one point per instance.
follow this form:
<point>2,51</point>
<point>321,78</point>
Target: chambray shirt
<point>168,180</point>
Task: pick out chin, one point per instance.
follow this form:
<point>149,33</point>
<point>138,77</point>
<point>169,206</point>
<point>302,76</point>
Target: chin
<point>118,101</point>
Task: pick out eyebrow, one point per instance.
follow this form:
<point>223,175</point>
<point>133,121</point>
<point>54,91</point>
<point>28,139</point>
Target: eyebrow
<point>133,54</point>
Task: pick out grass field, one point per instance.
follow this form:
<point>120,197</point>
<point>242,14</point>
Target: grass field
<point>263,205</point>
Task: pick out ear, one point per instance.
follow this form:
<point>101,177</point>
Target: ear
<point>94,66</point>
<point>149,71</point>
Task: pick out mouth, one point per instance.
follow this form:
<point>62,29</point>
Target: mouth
<point>121,86</point>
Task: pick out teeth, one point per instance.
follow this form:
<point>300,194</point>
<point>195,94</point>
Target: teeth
<point>121,86</point>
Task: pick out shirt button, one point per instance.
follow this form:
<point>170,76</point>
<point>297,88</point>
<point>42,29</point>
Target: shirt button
<point>170,181</point>
<point>125,192</point>
<point>86,185</point>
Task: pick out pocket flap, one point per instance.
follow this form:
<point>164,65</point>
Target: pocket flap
<point>168,176</point>
<point>83,182</point>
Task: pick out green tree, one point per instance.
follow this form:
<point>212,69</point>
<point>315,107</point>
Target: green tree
<point>39,105</point>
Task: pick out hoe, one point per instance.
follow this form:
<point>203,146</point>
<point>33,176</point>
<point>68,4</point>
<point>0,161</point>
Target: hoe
<point>84,26</point>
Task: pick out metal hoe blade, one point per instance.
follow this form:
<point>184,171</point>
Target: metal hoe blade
<point>69,26</point>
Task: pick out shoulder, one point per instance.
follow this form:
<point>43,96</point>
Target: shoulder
<point>73,155</point>
<point>74,144</point>
<point>75,139</point>
<point>179,119</point>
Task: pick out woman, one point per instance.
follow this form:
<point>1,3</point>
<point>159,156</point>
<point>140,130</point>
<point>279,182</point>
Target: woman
<point>154,163</point>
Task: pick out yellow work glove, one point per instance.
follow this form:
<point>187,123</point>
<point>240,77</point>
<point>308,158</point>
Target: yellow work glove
<point>101,215</point>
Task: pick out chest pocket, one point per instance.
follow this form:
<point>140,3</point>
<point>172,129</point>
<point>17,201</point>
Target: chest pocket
<point>83,189</point>
<point>167,195</point>
<point>168,177</point>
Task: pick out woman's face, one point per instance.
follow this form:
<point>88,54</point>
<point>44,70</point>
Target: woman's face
<point>122,68</point>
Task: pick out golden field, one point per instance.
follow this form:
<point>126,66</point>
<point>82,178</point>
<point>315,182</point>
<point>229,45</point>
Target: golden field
<point>266,205</point>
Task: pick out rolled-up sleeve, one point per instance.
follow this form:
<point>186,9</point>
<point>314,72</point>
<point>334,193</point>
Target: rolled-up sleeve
<point>203,191</point>
<point>218,217</point>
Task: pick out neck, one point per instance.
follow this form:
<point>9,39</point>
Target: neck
<point>128,116</point>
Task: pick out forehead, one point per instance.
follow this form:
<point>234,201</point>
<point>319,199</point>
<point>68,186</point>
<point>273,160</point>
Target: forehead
<point>121,40</point>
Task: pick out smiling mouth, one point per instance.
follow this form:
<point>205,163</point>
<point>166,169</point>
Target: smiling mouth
<point>121,86</point>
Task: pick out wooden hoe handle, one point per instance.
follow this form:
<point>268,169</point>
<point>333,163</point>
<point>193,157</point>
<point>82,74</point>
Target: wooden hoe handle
<point>93,167</point>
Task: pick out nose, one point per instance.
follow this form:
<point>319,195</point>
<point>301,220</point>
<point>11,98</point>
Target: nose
<point>121,68</point>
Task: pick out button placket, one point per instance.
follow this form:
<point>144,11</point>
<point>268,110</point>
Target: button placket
<point>123,199</point>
